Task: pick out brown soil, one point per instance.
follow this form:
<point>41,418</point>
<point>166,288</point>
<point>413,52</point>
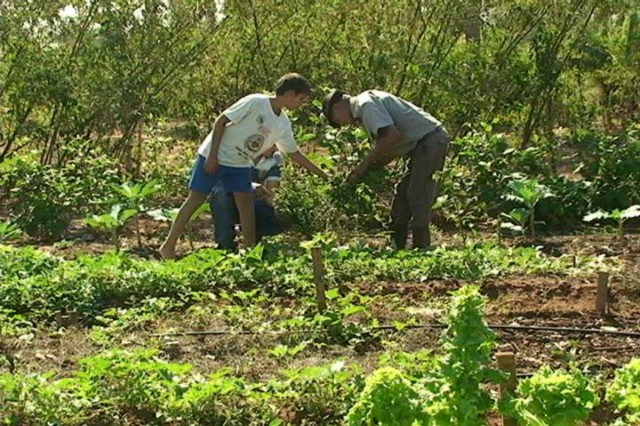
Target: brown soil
<point>515,300</point>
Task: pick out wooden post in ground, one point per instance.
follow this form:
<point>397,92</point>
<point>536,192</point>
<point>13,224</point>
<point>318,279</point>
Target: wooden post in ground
<point>68,319</point>
<point>507,363</point>
<point>603,292</point>
<point>319,278</point>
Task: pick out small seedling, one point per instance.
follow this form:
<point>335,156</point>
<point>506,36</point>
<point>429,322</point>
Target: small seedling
<point>138,192</point>
<point>135,197</point>
<point>619,216</point>
<point>112,222</point>
<point>528,192</point>
<point>290,352</point>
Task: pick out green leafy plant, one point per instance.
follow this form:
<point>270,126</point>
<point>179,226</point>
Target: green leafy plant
<point>555,398</point>
<point>388,398</point>
<point>310,206</point>
<point>136,383</point>
<point>135,196</point>
<point>112,222</point>
<point>12,324</point>
<point>116,321</point>
<point>9,231</point>
<point>317,394</point>
<point>629,420</point>
<point>452,390</point>
<point>528,192</point>
<point>137,193</point>
<point>612,163</point>
<point>40,197</point>
<point>36,400</point>
<point>335,325</point>
<point>288,352</point>
<point>418,365</point>
<point>624,392</point>
<point>456,395</point>
<point>620,216</point>
<point>43,199</point>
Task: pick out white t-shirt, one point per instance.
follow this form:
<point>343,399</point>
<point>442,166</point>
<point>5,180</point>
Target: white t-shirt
<point>252,129</point>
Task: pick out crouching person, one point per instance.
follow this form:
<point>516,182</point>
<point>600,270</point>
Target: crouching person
<point>267,175</point>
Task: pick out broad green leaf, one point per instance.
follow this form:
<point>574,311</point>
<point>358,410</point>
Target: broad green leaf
<point>127,214</point>
<point>596,216</point>
<point>352,310</point>
<point>631,212</point>
<point>163,215</point>
<point>511,227</point>
<point>204,208</point>
<point>333,293</point>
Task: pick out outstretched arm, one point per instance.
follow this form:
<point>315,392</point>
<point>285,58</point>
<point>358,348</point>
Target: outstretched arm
<point>381,154</point>
<point>302,160</point>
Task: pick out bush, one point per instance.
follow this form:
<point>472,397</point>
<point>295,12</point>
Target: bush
<point>44,199</point>
<point>612,164</point>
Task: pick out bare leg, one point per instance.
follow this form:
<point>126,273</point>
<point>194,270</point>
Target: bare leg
<point>246,210</point>
<point>191,204</point>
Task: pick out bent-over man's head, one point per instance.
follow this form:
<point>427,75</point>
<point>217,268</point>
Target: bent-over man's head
<point>337,109</point>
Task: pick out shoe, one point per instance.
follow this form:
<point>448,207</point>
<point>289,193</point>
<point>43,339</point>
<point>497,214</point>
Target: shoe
<point>421,238</point>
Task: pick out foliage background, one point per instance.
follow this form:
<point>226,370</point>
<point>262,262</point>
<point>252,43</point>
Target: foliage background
<point>116,84</point>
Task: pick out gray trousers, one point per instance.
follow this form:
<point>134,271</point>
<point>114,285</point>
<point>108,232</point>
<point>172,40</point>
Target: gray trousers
<point>417,190</point>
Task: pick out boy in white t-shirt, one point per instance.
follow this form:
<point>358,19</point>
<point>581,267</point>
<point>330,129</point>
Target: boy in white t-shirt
<point>242,132</point>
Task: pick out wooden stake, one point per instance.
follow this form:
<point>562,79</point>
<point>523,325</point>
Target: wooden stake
<point>319,278</point>
<point>603,292</point>
<point>68,319</point>
<point>507,363</point>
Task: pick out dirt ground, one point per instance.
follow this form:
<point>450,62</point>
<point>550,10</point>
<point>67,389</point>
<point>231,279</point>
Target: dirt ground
<point>517,300</point>
<point>523,300</point>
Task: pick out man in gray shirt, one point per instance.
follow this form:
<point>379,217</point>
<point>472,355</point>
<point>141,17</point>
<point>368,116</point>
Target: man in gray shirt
<point>398,129</point>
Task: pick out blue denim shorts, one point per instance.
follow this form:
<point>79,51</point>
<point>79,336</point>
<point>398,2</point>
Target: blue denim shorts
<point>234,179</point>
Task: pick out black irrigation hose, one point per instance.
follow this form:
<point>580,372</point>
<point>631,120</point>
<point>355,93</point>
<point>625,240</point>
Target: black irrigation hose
<point>568,330</point>
<point>417,326</point>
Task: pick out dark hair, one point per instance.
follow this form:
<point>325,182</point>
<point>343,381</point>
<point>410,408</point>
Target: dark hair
<point>293,81</point>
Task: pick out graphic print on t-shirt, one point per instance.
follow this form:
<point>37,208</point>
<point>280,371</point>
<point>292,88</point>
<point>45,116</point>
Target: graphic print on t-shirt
<point>253,128</point>
<point>253,143</point>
